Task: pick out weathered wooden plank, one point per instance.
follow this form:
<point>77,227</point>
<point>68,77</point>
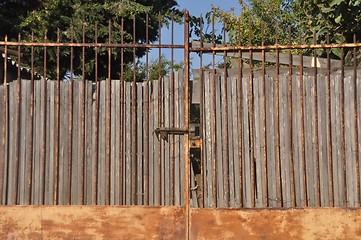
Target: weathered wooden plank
<point>271,144</point>
<point>151,144</point>
<point>207,133</point>
<point>140,150</point>
<point>37,137</point>
<point>284,141</point>
<point>102,222</point>
<point>231,111</point>
<point>297,142</point>
<point>2,160</point>
<point>258,142</point>
<point>350,145</point>
<point>181,139</point>
<point>155,144</point>
<point>128,144</point>
<point>358,100</point>
<point>89,151</point>
<point>235,146</point>
<point>177,177</point>
<point>310,141</point>
<point>323,122</point>
<point>336,141</point>
<point>285,224</point>
<point>220,142</point>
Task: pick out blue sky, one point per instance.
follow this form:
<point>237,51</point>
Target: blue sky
<point>195,8</point>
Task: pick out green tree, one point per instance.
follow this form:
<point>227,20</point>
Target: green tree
<point>71,16</point>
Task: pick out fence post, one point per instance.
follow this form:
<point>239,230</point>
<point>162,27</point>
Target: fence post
<point>186,121</point>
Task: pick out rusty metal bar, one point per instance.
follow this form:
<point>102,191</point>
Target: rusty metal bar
<point>214,122</point>
<point>109,109</point>
<point>329,138</point>
<point>4,126</point>
<point>277,138</point>
<point>147,167</point>
<point>265,180</point>
<point>17,152</point>
<point>191,49</point>
<point>93,45</point>
<point>159,111</point>
<point>273,47</point>
<point>70,143</point>
<point>201,121</point>
<point>316,124</point>
<point>96,129</point>
<point>172,105</point>
<point>31,127</point>
<point>251,113</point>
<point>240,114</point>
<point>225,108</point>
<point>121,124</point>
<point>43,152</point>
<point>356,126</point>
<point>186,123</point>
<point>83,122</point>
<point>343,125</point>
<point>290,111</point>
<point>303,127</point>
<point>57,123</point>
<point>134,129</point>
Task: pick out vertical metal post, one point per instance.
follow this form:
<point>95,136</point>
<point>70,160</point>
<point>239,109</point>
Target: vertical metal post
<point>134,129</point>
<point>121,123</point>
<point>83,123</point>
<point>240,116</point>
<point>57,122</point>
<point>4,126</point>
<point>343,125</point>
<point>96,129</point>
<point>159,111</point>
<point>70,146</point>
<point>316,124</point>
<point>329,129</point>
<point>186,123</point>
<point>109,99</point>
<point>172,105</point>
<point>18,125</point>
<point>31,130</point>
<point>43,152</point>
<point>147,167</point>
<point>201,122</point>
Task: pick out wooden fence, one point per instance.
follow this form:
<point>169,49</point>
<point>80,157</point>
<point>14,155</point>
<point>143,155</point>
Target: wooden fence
<point>304,153</point>
<point>290,153</point>
<point>89,179</point>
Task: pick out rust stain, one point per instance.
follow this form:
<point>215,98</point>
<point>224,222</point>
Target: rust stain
<point>89,222</point>
<point>321,223</point>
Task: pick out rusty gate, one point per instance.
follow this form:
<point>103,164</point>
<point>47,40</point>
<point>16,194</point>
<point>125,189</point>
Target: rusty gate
<point>266,147</point>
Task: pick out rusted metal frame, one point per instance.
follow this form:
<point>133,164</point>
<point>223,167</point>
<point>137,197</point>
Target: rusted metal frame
<point>303,127</point>
<point>57,123</point>
<point>343,126</point>
<point>172,106</point>
<point>108,144</point>
<point>186,124</point>
<point>290,110</point>
<point>43,152</point>
<point>329,131</point>
<point>18,126</point>
<point>251,121</point>
<point>201,110</point>
<point>96,128</point>
<point>240,115</point>
<point>70,143</point>
<point>121,123</point>
<point>159,111</point>
<point>356,126</point>
<point>214,122</point>
<point>82,181</point>
<point>265,179</point>
<point>316,124</point>
<point>225,108</point>
<point>146,150</point>
<point>93,45</point>
<point>277,131</point>
<point>31,127</point>
<point>273,47</point>
<point>135,126</point>
<point>4,126</point>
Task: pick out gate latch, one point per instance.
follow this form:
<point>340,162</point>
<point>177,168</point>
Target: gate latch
<point>164,132</point>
